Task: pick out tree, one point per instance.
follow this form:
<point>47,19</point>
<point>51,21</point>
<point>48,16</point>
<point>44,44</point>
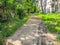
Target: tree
<point>59,6</point>
<point>41,6</point>
<point>28,5</point>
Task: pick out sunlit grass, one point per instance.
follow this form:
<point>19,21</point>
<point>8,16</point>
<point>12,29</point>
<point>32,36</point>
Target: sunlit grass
<point>52,21</point>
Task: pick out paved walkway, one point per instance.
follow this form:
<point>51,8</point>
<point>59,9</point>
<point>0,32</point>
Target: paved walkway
<point>33,32</point>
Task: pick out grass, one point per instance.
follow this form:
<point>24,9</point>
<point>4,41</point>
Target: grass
<point>8,28</point>
<point>52,21</point>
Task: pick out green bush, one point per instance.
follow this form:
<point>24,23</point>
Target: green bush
<point>58,37</point>
<point>8,28</point>
<point>5,17</point>
<point>37,9</point>
<point>52,21</point>
<point>2,38</point>
<point>20,11</point>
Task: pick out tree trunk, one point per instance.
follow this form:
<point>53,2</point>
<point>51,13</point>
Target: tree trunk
<point>41,6</point>
<point>59,6</point>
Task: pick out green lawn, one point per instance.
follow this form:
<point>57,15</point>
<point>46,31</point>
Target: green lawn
<point>52,21</point>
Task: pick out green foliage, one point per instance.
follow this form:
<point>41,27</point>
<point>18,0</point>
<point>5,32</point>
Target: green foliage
<point>10,1</point>
<point>52,21</point>
<point>58,38</point>
<point>37,9</point>
<point>11,4</point>
<point>4,17</point>
<point>18,9</point>
<point>1,1</point>
<point>2,38</point>
<point>29,5</point>
<point>8,28</point>
<point>21,13</point>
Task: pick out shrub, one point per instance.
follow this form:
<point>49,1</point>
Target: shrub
<point>8,28</point>
<point>37,9</point>
<point>2,38</point>
<point>58,37</point>
<point>3,18</point>
<point>20,11</point>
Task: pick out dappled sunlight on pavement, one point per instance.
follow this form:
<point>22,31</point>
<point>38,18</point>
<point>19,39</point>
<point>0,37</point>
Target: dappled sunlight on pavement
<point>33,32</point>
<point>26,34</point>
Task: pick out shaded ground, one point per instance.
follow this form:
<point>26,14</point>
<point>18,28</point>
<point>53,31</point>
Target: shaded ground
<point>33,32</point>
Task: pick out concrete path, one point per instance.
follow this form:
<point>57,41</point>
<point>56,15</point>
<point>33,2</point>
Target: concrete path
<point>33,32</point>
